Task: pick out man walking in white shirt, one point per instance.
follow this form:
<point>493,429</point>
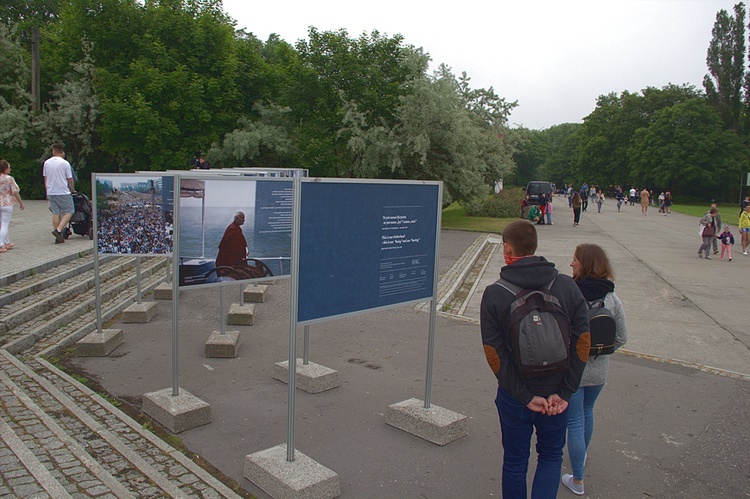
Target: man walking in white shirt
<point>58,182</point>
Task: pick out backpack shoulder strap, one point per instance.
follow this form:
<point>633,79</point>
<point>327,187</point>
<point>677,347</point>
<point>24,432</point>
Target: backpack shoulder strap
<point>598,303</point>
<point>510,287</point>
<point>515,289</point>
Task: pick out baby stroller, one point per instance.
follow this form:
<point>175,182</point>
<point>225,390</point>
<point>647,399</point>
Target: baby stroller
<point>82,221</point>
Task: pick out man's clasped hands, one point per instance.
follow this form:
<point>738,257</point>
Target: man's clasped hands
<point>551,406</point>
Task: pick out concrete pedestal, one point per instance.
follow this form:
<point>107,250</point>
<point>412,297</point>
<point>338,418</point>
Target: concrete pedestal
<point>140,312</point>
<point>255,293</point>
<point>437,425</point>
<point>163,291</point>
<point>99,344</point>
<point>241,315</point>
<point>312,378</point>
<point>223,345</point>
<point>302,478</point>
<point>176,413</point>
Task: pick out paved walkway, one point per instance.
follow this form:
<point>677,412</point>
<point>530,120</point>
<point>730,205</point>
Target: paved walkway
<point>31,232</point>
<point>666,423</point>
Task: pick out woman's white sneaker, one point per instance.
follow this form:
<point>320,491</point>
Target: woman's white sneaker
<point>576,488</point>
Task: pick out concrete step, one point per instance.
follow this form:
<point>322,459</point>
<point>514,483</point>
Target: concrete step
<point>117,292</point>
<point>41,297</point>
<point>25,283</point>
<point>104,451</point>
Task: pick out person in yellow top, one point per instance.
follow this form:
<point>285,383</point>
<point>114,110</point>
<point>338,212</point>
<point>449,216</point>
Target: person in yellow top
<point>745,229</point>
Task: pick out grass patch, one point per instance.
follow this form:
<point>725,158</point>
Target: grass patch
<point>729,212</point>
<point>454,217</point>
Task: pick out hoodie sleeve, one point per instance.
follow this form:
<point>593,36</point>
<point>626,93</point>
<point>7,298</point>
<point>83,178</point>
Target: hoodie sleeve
<point>621,333</point>
<point>495,302</point>
<point>580,337</point>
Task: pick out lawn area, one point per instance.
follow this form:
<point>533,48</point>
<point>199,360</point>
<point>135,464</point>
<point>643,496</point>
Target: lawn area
<point>454,217</point>
<point>729,212</point>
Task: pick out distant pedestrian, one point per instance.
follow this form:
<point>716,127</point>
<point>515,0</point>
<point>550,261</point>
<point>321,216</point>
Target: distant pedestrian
<point>717,220</point>
<point>661,202</point>
<point>745,228</point>
<point>744,203</point>
<point>9,196</point>
<point>633,194</point>
<point>59,184</point>
<point>599,201</point>
<point>667,203</point>
<point>645,201</point>
<point>708,232</point>
<point>576,209</point>
<point>535,215</point>
<point>727,241</point>
<point>548,211</point>
<point>542,206</point>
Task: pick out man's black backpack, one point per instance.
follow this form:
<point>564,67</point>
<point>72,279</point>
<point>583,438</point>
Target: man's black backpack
<point>539,331</point>
<point>603,327</point>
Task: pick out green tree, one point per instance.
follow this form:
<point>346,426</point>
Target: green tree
<point>529,157</point>
<point>687,149</point>
<point>340,71</point>
<point>264,142</point>
<point>560,142</point>
<point>71,116</point>
<point>726,64</point>
<point>15,98</point>
<point>602,155</point>
<point>26,13</point>
<point>442,138</point>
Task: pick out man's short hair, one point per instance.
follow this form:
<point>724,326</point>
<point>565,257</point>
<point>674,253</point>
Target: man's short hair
<point>57,148</point>
<point>521,236</point>
<point>239,214</point>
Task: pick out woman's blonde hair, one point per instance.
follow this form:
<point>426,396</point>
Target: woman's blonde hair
<point>594,262</point>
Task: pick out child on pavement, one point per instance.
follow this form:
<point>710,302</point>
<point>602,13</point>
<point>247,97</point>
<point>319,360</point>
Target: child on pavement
<point>548,211</point>
<point>727,240</point>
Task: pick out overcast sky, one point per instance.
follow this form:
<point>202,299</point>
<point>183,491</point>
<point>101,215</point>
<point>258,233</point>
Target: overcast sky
<point>553,57</point>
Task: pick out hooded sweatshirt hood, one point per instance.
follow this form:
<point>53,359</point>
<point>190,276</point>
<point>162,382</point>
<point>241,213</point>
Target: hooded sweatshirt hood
<point>531,272</point>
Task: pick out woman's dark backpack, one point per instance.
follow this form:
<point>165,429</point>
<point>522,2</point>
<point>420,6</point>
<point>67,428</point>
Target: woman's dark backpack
<point>603,327</point>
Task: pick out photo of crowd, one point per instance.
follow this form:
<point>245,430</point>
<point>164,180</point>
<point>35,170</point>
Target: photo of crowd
<point>131,216</point>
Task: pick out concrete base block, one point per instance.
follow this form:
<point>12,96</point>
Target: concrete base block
<point>140,312</point>
<point>163,291</point>
<point>241,315</point>
<point>255,293</point>
<point>177,414</point>
<point>437,425</point>
<point>99,344</point>
<point>312,378</point>
<point>301,478</point>
<point>223,345</point>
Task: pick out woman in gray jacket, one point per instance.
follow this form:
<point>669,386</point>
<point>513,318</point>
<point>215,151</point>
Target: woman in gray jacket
<point>593,274</point>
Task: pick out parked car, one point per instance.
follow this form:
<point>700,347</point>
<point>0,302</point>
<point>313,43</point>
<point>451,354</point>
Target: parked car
<point>536,189</point>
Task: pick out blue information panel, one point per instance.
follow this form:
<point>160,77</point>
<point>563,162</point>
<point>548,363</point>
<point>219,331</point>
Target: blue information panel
<point>364,246</point>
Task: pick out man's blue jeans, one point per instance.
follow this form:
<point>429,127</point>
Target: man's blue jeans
<point>581,426</point>
<point>517,423</point>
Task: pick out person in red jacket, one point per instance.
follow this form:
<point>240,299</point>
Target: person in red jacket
<point>233,246</point>
<point>538,403</point>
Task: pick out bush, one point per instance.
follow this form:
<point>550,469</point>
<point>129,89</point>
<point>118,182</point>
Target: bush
<point>506,204</point>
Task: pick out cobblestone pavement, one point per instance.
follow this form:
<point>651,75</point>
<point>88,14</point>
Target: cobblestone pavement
<point>57,437</point>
